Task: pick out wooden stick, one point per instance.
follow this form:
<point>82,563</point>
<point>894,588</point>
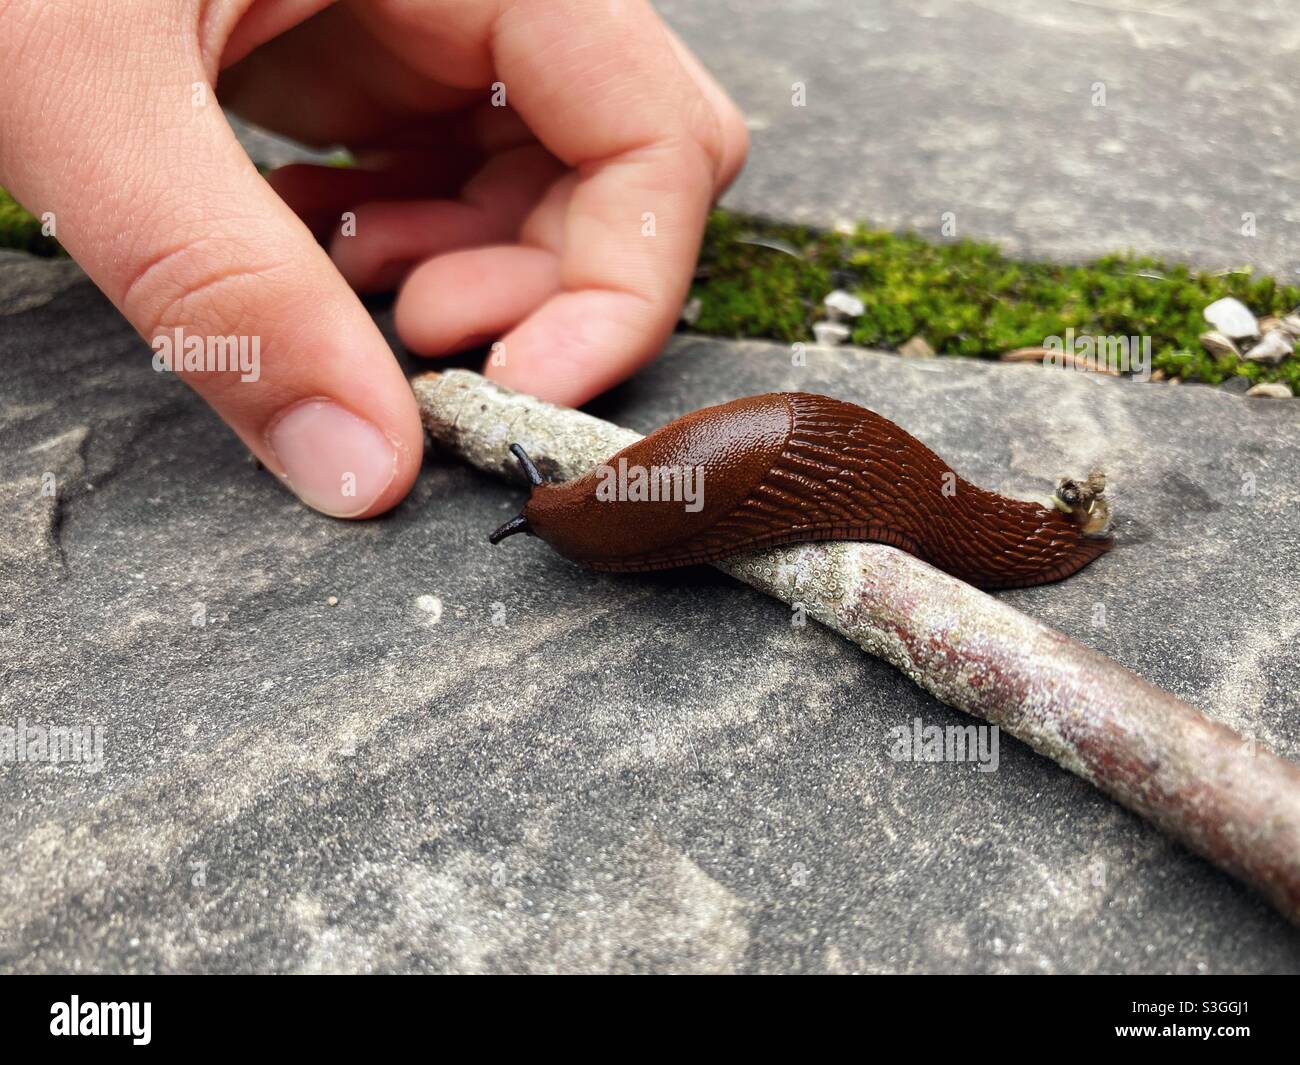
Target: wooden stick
<point>1229,799</point>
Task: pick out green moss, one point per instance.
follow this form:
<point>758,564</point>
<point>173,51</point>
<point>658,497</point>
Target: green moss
<point>967,298</point>
<point>757,278</point>
<point>18,229</point>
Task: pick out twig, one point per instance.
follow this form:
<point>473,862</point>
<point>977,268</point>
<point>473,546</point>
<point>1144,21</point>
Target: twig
<point>1065,358</point>
<point>1227,798</point>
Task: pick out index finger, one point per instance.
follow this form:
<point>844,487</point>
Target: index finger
<point>604,90</point>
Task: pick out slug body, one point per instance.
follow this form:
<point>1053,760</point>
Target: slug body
<point>788,467</point>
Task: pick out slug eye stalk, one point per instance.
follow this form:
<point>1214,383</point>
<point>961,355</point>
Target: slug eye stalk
<point>533,474</point>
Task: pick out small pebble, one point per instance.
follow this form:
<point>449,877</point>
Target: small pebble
<point>829,334</point>
<point>333,600</point>
<point>1217,343</point>
<point>917,348</point>
<point>1232,318</point>
<point>431,605</point>
<point>1275,347</point>
<point>1291,323</point>
<point>843,304</point>
<point>1272,390</point>
<point>1238,385</point>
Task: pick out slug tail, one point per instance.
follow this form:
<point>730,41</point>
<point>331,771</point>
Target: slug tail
<point>995,542</point>
<point>1065,556</point>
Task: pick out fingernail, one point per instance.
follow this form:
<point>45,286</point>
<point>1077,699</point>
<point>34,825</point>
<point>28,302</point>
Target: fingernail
<point>334,461</point>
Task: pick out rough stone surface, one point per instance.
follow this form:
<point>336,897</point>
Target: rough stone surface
<point>486,759</point>
<point>985,108</point>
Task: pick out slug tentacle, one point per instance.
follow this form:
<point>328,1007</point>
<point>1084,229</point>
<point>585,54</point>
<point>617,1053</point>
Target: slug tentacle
<point>518,524</point>
<point>533,474</point>
<point>790,467</point>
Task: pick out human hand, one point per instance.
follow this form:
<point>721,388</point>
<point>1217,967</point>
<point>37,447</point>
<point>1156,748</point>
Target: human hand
<point>565,224</point>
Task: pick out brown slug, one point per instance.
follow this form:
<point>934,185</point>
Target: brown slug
<point>791,466</point>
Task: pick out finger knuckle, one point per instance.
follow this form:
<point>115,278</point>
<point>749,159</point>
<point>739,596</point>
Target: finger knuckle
<point>721,133</point>
<point>704,125</point>
<point>201,283</point>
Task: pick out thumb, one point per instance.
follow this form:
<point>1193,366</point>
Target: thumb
<point>163,209</point>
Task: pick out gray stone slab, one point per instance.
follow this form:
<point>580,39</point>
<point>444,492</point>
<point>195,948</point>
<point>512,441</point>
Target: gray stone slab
<point>548,770</point>
<point>985,108</point>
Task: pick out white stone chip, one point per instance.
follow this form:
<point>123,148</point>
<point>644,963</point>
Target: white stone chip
<point>829,334</point>
<point>1232,318</point>
<point>843,304</point>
